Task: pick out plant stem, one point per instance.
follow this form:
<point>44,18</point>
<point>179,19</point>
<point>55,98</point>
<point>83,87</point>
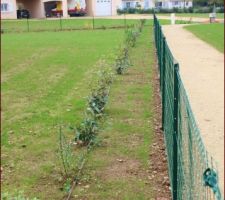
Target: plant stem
<point>61,149</point>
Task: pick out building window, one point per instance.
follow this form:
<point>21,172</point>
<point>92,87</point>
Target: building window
<point>4,7</point>
<point>127,4</point>
<point>159,4</point>
<point>175,3</point>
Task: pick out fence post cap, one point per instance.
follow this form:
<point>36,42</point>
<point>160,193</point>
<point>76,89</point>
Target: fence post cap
<point>176,64</point>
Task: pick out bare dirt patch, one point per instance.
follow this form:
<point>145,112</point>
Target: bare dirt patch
<point>158,164</point>
<point>121,168</point>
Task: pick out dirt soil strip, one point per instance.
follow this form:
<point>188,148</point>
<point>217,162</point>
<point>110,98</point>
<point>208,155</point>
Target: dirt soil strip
<point>130,162</point>
<point>202,72</point>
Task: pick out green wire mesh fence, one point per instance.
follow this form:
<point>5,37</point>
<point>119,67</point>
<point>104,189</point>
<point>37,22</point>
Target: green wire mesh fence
<point>192,172</point>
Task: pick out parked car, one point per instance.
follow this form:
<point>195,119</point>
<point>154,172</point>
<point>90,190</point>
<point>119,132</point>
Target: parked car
<point>77,12</point>
<point>23,14</point>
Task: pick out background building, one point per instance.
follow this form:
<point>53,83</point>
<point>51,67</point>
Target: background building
<point>43,8</point>
<point>169,4</point>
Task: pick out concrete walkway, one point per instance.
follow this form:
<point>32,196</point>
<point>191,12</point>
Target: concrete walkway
<point>202,72</point>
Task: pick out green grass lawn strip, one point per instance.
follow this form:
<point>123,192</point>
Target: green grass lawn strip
<point>213,34</point>
<point>40,95</point>
<point>126,136</point>
<point>198,15</point>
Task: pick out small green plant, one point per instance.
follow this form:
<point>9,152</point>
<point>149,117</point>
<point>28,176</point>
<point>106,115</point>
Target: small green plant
<point>142,21</point>
<point>67,185</point>
<point>122,60</point>
<point>19,195</point>
<point>97,101</point>
<point>86,132</point>
<point>103,27</point>
<point>131,37</point>
<point>100,90</point>
<point>141,24</point>
<point>66,154</point>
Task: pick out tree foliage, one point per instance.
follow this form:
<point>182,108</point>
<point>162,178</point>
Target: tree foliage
<point>208,2</point>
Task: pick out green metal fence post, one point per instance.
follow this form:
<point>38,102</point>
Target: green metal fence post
<point>93,21</point>
<point>158,25</point>
<point>60,22</point>
<point>159,52</point>
<point>163,79</point>
<point>154,22</point>
<point>125,21</point>
<point>28,27</point>
<point>175,131</point>
<point>190,149</point>
<point>155,28</point>
<point>160,37</point>
<point>156,39</point>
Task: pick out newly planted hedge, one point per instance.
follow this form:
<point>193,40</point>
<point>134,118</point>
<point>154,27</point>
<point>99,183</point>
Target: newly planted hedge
<point>86,132</point>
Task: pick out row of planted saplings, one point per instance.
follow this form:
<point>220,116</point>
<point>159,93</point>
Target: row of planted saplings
<point>131,35</point>
<point>86,132</point>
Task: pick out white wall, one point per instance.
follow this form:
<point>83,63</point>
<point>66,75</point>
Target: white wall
<point>11,13</point>
<point>132,4</point>
<point>172,4</point>
<point>65,8</point>
<point>151,3</point>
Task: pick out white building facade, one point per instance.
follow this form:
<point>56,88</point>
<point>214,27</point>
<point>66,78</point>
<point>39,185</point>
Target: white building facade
<point>37,8</point>
<point>143,4</point>
<point>169,4</point>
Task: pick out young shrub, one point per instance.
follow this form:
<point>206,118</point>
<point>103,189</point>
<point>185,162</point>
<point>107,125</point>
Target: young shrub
<point>142,21</point>
<point>66,154</point>
<point>141,24</point>
<point>131,37</point>
<point>122,60</point>
<point>100,90</point>
<point>97,101</point>
<point>86,132</point>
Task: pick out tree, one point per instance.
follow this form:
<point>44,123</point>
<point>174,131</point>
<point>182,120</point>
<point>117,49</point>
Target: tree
<point>208,2</point>
<point>200,2</point>
<point>216,2</point>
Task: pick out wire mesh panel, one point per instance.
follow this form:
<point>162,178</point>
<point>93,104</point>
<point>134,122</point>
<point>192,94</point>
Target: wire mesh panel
<point>192,173</point>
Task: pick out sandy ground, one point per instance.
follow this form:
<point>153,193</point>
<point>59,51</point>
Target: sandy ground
<point>202,72</point>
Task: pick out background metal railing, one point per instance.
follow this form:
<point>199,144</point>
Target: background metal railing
<point>61,24</point>
<point>192,172</point>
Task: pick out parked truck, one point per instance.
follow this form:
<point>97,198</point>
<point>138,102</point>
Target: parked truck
<point>77,8</point>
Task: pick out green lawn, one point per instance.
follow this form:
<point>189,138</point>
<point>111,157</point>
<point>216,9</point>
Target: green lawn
<point>198,15</point>
<point>45,78</point>
<point>44,82</point>
<point>210,33</point>
<point>127,135</point>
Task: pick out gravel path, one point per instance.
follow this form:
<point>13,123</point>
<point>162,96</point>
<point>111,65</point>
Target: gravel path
<point>202,72</point>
